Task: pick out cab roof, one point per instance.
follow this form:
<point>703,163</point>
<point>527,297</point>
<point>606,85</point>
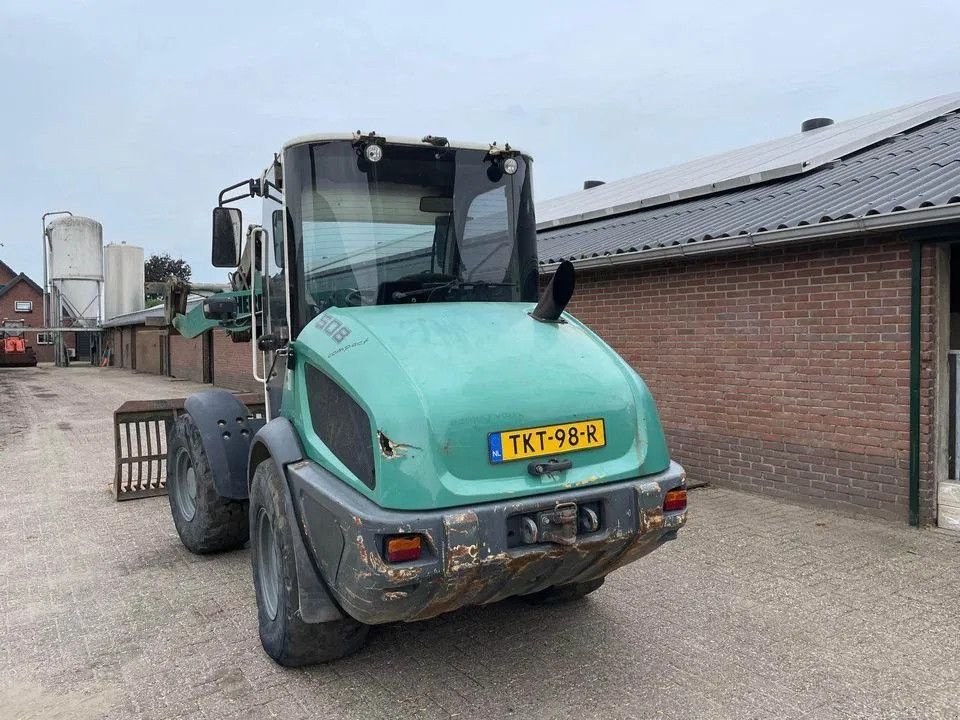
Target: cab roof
<point>392,140</point>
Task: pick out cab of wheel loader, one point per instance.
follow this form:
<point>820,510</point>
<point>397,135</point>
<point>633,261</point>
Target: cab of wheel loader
<point>360,220</point>
<point>377,223</point>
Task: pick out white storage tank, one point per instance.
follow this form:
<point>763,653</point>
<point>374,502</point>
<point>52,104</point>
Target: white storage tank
<point>122,279</point>
<point>76,265</point>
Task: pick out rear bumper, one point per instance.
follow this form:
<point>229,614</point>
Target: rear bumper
<point>469,556</point>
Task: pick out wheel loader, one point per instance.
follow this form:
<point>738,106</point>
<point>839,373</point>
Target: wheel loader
<point>433,432</point>
<point>14,351</point>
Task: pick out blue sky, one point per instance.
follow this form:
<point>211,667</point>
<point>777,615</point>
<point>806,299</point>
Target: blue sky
<point>136,114</point>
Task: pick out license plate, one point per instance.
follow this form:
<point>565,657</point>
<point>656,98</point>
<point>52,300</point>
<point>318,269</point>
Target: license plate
<point>507,445</point>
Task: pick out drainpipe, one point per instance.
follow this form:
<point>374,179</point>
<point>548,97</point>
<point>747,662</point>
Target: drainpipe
<point>916,257</point>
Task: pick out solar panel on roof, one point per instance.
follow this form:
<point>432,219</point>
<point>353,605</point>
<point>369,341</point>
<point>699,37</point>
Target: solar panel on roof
<point>772,160</point>
<point>918,169</point>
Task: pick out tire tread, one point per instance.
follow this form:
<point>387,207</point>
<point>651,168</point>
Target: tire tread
<point>288,639</point>
<point>220,524</point>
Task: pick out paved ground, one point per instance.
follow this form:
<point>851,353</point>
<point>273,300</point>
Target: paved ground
<point>760,610</point>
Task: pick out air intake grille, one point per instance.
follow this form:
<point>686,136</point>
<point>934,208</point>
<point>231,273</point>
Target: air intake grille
<point>341,424</point>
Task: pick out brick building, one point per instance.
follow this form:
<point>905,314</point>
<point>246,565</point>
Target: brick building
<point>138,341</point>
<point>22,299</point>
<point>793,307</point>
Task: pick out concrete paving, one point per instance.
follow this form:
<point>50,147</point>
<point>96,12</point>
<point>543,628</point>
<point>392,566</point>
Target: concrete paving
<point>760,610</point>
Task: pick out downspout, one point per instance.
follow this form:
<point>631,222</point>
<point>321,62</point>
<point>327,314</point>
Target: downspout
<point>916,256</point>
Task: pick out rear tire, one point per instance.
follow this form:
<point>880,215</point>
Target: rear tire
<point>285,636</point>
<point>205,522</point>
<point>564,593</point>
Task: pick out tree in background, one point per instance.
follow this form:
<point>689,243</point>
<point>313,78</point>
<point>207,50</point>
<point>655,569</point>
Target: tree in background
<point>158,268</point>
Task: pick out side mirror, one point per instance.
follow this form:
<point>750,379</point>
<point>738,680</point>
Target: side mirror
<point>227,237</point>
<point>220,308</point>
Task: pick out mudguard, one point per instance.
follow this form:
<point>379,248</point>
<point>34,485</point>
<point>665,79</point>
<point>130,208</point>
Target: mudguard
<point>277,442</point>
<point>227,430</point>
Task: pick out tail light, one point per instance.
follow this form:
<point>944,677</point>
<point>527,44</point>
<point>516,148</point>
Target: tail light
<point>402,548</point>
<point>675,500</point>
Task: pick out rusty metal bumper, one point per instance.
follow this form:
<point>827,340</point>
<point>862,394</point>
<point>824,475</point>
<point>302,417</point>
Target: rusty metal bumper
<point>468,557</point>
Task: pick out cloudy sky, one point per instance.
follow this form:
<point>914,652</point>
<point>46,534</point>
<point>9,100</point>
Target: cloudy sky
<point>136,114</point>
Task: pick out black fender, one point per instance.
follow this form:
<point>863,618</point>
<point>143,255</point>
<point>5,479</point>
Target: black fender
<point>227,430</point>
<point>278,442</point>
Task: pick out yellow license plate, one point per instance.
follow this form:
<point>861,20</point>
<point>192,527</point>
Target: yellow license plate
<point>508,445</point>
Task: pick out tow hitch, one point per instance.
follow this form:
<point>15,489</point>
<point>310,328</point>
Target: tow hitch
<point>557,526</point>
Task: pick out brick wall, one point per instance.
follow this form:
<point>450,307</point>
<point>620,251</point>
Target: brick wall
<point>130,347</point>
<point>123,341</point>
<point>929,303</point>
<point>149,351</point>
<point>187,358</point>
<point>784,371</point>
<point>144,349</point>
<point>231,364</point>
<point>23,291</point>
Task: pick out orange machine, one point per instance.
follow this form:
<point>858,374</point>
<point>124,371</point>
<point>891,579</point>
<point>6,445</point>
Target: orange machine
<point>14,351</point>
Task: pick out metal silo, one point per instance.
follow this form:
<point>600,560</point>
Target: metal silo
<point>122,279</point>
<point>76,268</point>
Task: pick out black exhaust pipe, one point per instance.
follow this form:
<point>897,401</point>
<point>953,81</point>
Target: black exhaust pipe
<point>556,295</point>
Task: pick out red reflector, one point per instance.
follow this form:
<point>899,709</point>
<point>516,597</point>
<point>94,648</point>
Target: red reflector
<point>402,548</point>
<point>675,500</point>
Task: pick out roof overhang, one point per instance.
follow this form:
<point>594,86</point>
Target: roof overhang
<point>869,225</point>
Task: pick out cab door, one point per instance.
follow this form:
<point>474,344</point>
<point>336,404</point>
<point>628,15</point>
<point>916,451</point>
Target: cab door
<point>275,325</point>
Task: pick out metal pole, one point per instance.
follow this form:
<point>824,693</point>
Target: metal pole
<point>43,240</point>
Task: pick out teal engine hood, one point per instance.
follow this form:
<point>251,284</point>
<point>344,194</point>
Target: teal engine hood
<point>435,379</point>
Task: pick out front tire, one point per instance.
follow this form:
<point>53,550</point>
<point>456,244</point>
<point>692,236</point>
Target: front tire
<point>285,636</point>
<point>205,522</point>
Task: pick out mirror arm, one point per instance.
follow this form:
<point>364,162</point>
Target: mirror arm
<point>266,192</point>
<point>253,189</point>
<point>232,199</point>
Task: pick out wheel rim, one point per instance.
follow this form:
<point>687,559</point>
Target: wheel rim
<point>268,564</point>
<point>185,486</point>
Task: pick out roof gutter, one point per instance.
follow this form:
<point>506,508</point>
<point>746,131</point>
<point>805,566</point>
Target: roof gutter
<point>921,217</point>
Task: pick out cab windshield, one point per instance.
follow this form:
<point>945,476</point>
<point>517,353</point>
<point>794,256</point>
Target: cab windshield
<point>424,224</point>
